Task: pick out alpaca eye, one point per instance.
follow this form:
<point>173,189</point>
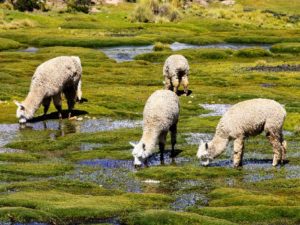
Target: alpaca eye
<point>206,146</point>
<point>144,147</point>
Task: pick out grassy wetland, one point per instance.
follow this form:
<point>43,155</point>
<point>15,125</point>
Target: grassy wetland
<point>80,171</point>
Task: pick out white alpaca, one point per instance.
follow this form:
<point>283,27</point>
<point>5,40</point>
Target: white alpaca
<point>51,79</point>
<point>244,119</point>
<point>176,71</point>
<point>160,115</point>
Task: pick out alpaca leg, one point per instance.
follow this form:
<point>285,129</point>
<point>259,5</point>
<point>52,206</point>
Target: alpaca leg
<point>79,92</point>
<point>162,143</point>
<point>277,147</point>
<point>57,103</point>
<point>238,149</point>
<point>46,104</point>
<point>175,84</point>
<point>283,153</point>
<point>173,130</point>
<point>168,85</point>
<point>185,83</point>
<point>70,94</point>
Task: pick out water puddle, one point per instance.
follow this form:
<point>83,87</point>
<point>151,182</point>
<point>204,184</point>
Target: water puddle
<point>267,85</point>
<point>217,109</point>
<point>154,160</point>
<point>29,49</point>
<point>10,150</point>
<point>109,163</point>
<point>89,146</point>
<point>109,173</point>
<point>107,125</point>
<point>111,221</point>
<point>180,46</point>
<point>259,168</point>
<point>117,174</point>
<point>127,53</point>
<point>186,200</point>
<point>8,132</point>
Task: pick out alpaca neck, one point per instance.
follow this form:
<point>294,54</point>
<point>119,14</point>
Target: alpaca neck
<point>218,145</point>
<point>149,138</point>
<point>31,103</point>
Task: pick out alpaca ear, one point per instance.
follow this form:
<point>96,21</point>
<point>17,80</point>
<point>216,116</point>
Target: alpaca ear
<point>19,105</point>
<point>132,144</point>
<point>206,145</point>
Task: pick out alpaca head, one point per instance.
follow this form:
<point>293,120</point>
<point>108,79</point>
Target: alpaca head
<point>204,153</point>
<point>21,113</point>
<point>139,153</point>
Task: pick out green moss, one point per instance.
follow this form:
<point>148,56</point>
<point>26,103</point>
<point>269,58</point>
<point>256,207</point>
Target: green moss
<point>156,217</point>
<point>161,47</point>
<point>286,48</point>
<point>6,44</point>
<point>234,197</point>
<point>253,52</point>
<point>172,173</point>
<point>35,169</point>
<point>254,214</point>
<point>70,208</point>
<point>18,157</point>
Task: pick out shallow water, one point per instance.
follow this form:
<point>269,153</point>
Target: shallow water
<point>107,125</point>
<point>117,174</point>
<point>112,174</point>
<point>89,146</point>
<point>259,168</point>
<point>217,109</point>
<point>180,46</point>
<point>186,200</point>
<point>127,53</point>
<point>29,49</point>
<point>8,132</point>
<point>10,150</point>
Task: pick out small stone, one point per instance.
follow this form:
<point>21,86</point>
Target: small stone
<point>73,118</point>
<point>149,181</point>
<point>190,102</point>
<point>79,119</point>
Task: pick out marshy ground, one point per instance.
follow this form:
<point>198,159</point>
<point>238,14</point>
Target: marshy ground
<point>80,171</point>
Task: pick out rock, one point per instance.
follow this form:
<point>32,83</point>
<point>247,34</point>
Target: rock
<point>149,181</point>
